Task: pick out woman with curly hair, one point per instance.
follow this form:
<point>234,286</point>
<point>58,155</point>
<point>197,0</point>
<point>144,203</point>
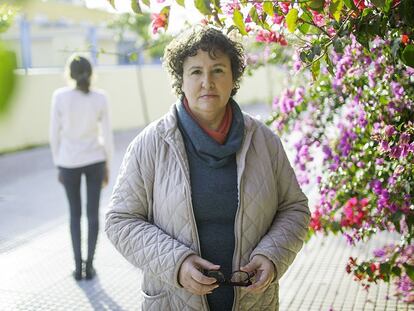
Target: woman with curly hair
<point>206,202</point>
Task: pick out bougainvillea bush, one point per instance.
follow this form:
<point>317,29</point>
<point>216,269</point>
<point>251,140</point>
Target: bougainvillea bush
<point>362,122</point>
<point>355,110</point>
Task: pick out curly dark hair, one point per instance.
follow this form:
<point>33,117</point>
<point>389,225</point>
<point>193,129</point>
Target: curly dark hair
<point>209,40</point>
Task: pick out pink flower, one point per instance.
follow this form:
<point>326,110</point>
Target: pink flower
<point>278,19</point>
<point>230,7</point>
<point>270,36</point>
<point>158,21</point>
<point>285,6</point>
<point>259,8</point>
<point>318,19</point>
<point>331,31</point>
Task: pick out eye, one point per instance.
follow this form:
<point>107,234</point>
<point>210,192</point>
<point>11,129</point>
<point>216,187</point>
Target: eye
<point>196,72</point>
<point>218,70</point>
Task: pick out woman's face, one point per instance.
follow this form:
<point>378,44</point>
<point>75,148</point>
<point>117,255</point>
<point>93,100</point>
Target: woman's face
<point>207,84</point>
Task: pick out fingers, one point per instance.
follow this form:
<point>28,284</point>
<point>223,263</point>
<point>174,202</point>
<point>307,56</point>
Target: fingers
<point>205,264</point>
<point>250,267</point>
<point>201,278</point>
<point>264,273</point>
<point>263,280</point>
<point>192,279</point>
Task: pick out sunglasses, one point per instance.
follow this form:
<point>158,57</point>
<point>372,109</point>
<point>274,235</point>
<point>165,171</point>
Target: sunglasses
<point>237,278</point>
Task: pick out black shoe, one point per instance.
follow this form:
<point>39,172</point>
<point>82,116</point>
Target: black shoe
<point>89,272</point>
<point>77,274</point>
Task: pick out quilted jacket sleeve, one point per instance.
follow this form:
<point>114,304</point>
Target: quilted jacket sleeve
<point>128,222</point>
<point>290,225</point>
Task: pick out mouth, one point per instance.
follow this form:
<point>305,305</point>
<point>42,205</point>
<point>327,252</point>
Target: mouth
<point>208,96</point>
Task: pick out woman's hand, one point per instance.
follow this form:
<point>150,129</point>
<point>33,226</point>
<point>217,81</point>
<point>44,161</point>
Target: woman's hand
<point>264,271</point>
<point>192,279</point>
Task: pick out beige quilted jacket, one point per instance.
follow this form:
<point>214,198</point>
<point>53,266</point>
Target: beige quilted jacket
<point>152,224</point>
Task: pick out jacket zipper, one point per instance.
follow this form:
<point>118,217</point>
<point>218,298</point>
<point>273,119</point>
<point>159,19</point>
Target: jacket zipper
<point>190,210</point>
<point>239,221</point>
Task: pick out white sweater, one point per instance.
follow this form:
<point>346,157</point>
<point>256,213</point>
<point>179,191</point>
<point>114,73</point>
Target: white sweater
<point>80,130</point>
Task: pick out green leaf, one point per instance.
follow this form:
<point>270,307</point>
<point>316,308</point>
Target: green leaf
<point>409,269</point>
<point>239,21</point>
<point>255,17</point>
<point>363,39</point>
<point>306,16</point>
<point>317,5</point>
<point>410,221</point>
<point>316,68</point>
<point>335,9</point>
<point>133,57</point>
<point>166,11</point>
<point>385,268</point>
<point>112,3</point>
<point>388,5</point>
<point>338,46</point>
<point>350,4</point>
<point>135,6</point>
<point>396,271</point>
<point>316,49</point>
<point>268,8</point>
<point>329,64</point>
<point>406,10</point>
<point>203,6</point>
<point>7,77</point>
<point>216,4</point>
<point>292,20</point>
<point>378,3</point>
<point>396,217</point>
<point>304,28</point>
<point>179,2</point>
<point>408,55</point>
<point>147,2</point>
<point>303,56</point>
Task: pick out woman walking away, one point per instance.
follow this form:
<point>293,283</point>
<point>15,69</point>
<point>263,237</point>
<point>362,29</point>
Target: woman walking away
<point>82,144</point>
<point>206,202</point>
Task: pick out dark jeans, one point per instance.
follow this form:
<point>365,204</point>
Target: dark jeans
<point>71,178</point>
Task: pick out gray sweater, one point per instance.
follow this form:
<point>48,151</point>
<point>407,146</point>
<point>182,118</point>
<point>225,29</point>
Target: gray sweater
<point>214,194</point>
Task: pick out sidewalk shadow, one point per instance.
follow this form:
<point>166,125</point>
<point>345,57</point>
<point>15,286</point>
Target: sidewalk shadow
<point>97,296</point>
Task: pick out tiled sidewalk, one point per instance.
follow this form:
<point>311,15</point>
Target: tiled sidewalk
<point>37,276</point>
<point>35,267</point>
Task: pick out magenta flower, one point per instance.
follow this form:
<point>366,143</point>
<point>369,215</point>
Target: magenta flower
<point>277,19</point>
<point>397,90</point>
<point>389,130</point>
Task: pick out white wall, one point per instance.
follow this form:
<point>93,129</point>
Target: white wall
<point>27,122</point>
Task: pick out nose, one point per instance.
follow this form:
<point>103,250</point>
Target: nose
<point>207,81</point>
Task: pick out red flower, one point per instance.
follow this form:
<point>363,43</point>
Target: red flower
<point>360,4</point>
<point>405,39</point>
<point>374,266</point>
<point>395,3</point>
<point>315,222</point>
